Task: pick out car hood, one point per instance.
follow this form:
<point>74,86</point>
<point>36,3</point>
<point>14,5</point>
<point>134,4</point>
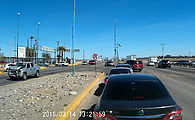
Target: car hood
<point>15,68</point>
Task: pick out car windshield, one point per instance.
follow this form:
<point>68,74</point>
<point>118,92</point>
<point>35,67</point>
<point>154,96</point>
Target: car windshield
<point>135,90</point>
<point>119,71</point>
<point>21,65</point>
<point>109,62</point>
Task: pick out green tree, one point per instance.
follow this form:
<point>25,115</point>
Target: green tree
<point>46,56</point>
<point>3,58</point>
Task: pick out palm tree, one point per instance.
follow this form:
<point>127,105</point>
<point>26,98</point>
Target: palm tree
<point>61,50</point>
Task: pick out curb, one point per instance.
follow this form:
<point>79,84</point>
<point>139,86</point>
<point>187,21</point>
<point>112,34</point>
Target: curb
<point>75,64</point>
<point>71,108</point>
<point>1,68</point>
<point>43,68</point>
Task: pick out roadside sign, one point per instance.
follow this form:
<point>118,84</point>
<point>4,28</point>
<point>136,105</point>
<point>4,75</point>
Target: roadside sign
<point>67,50</point>
<point>95,56</point>
<point>21,52</point>
<point>48,49</point>
<point>76,50</point>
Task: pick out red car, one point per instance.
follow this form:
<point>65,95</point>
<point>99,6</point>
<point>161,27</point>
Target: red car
<point>3,62</point>
<point>136,65</point>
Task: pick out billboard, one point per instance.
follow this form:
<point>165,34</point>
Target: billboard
<point>48,49</point>
<point>21,52</point>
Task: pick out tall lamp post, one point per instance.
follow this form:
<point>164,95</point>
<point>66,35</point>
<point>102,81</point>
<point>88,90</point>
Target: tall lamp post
<point>18,33</point>
<point>37,46</point>
<point>115,44</point>
<point>73,66</point>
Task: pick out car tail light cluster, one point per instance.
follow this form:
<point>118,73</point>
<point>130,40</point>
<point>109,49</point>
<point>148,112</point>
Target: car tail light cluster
<point>175,115</point>
<point>106,80</point>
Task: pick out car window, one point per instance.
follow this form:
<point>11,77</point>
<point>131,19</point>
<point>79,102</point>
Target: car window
<point>139,90</point>
<point>28,65</point>
<point>32,65</point>
<point>119,71</point>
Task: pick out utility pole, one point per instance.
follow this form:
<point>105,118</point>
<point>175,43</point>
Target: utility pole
<point>115,44</point>
<point>163,50</point>
<point>18,33</point>
<point>57,49</point>
<point>10,52</point>
<point>73,66</point>
<point>37,46</point>
<point>65,48</point>
<point>83,54</point>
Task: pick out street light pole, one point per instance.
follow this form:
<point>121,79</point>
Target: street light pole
<point>73,66</point>
<point>115,44</point>
<point>18,33</point>
<point>163,50</point>
<point>37,42</point>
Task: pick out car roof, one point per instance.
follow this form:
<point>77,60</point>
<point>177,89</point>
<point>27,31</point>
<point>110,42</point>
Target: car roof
<point>122,65</point>
<point>132,77</point>
<point>116,68</point>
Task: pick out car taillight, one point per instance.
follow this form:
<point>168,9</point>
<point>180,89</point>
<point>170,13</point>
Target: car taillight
<point>102,116</point>
<point>175,115</point>
<point>106,80</point>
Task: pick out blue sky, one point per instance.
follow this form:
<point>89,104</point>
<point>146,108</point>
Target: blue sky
<point>142,25</point>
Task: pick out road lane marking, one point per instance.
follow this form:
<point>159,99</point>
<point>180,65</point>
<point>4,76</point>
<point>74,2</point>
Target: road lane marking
<point>71,108</point>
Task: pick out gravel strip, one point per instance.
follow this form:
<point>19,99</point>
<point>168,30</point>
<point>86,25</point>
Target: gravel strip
<point>32,98</point>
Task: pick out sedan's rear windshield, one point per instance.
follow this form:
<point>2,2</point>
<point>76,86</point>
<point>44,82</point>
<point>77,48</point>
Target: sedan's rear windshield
<point>119,71</point>
<point>123,66</point>
<point>133,91</point>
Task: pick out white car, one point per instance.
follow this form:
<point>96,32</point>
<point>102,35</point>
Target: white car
<point>151,63</point>
<point>8,65</point>
<point>62,64</point>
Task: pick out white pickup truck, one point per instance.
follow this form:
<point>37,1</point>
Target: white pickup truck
<point>24,70</point>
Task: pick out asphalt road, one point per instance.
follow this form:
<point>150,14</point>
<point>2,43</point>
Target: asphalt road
<point>4,79</point>
<point>179,81</point>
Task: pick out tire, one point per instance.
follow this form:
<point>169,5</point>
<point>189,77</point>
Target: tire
<point>63,65</point>
<point>11,78</point>
<point>24,77</point>
<point>37,74</point>
<point>56,65</point>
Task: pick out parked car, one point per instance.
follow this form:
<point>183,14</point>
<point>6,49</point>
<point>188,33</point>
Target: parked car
<point>92,62</point>
<point>24,70</point>
<point>136,97</point>
<point>46,64</point>
<point>118,70</point>
<point>150,63</point>
<point>84,63</point>
<point>184,63</point>
<point>136,64</point>
<point>109,63</point>
<point>164,64</point>
<point>192,64</point>
<point>3,62</point>
<point>8,65</point>
<point>61,64</point>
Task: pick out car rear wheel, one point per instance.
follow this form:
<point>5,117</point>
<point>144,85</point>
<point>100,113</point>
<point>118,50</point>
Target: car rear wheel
<point>37,74</point>
<point>11,78</point>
